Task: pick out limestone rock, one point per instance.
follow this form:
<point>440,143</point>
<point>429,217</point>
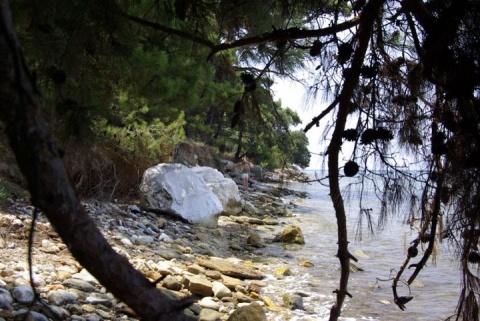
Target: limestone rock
<point>255,240</point>
<point>172,283</point>
<point>209,303</point>
<point>176,189</point>
<point>282,271</point>
<point>199,285</point>
<point>293,302</point>
<point>252,312</point>
<point>209,315</point>
<point>220,290</point>
<point>291,234</point>
<point>232,283</point>
<point>229,268</point>
<point>306,263</point>
<point>225,189</point>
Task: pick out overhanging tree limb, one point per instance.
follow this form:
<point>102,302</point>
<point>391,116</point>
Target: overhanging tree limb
<point>38,158</point>
<point>283,34</point>
<point>367,20</point>
<point>325,112</point>
<point>160,27</point>
<point>275,35</point>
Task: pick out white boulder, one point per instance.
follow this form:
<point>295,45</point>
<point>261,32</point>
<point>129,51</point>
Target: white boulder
<point>225,188</point>
<point>177,189</point>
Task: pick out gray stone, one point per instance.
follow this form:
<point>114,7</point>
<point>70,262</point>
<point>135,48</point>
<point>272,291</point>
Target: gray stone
<point>99,298</point>
<point>94,317</point>
<point>6,299</point>
<point>29,316</point>
<point>144,240</point>
<point>249,208</point>
<point>293,302</point>
<point>23,293</point>
<point>79,285</point>
<point>255,240</point>
<point>54,312</point>
<point>59,297</point>
<point>168,254</point>
<point>177,189</point>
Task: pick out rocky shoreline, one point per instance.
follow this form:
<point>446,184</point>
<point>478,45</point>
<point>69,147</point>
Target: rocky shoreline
<point>223,268</point>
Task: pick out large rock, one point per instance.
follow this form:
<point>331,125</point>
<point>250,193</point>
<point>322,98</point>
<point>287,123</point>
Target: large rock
<point>225,188</point>
<point>177,189</point>
<point>291,234</point>
<point>252,312</point>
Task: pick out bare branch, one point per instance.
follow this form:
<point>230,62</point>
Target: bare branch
<point>275,35</point>
<point>325,112</point>
<point>160,27</point>
<point>285,34</point>
<point>421,13</point>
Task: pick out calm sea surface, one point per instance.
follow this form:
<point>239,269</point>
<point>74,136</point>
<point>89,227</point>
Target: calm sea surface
<point>435,290</point>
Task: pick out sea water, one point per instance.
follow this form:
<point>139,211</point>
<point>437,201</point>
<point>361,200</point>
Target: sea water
<point>435,291</point>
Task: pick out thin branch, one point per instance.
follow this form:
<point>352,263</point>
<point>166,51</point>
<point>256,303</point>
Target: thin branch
<point>275,35</point>
<point>316,119</point>
<point>421,13</point>
<point>176,32</point>
<point>285,34</point>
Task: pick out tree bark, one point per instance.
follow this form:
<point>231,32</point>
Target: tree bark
<point>364,33</point>
<point>39,160</point>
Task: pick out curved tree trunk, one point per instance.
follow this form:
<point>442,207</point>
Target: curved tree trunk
<point>367,20</point>
<point>39,160</point>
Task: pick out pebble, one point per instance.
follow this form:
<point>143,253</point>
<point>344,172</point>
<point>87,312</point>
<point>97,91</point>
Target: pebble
<point>79,285</point>
<point>164,249</point>
<point>23,294</point>
<point>6,299</point>
<point>209,303</point>
<point>220,290</point>
<point>59,297</point>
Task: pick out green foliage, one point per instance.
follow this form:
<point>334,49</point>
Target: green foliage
<point>137,91</point>
<point>11,190</point>
<point>146,142</point>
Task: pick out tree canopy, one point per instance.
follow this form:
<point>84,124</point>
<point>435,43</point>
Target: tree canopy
<point>109,77</point>
<point>405,73</point>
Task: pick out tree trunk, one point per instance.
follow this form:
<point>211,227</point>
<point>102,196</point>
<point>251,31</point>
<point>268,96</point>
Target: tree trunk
<point>367,20</point>
<point>39,160</point>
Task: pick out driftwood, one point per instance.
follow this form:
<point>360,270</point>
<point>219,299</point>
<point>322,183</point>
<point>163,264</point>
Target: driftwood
<point>40,162</point>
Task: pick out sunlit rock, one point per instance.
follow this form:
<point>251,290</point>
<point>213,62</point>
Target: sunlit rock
<point>225,188</point>
<point>177,189</point>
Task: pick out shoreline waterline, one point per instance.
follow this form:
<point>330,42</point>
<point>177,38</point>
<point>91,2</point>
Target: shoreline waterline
<point>435,290</point>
